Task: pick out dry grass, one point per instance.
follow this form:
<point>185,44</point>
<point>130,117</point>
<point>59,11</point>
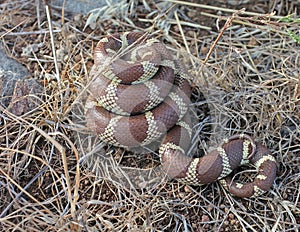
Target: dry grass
<point>56,177</point>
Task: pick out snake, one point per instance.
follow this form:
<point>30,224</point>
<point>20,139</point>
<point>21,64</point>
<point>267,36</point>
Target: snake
<point>140,93</point>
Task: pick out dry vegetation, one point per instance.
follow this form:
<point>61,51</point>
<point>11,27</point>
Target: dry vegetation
<point>54,176</point>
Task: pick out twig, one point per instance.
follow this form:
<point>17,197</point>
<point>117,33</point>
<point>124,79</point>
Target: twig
<point>28,33</point>
<point>52,42</point>
<point>8,32</point>
<point>38,16</point>
<point>182,33</point>
<point>227,24</point>
<point>72,198</point>
<point>228,10</point>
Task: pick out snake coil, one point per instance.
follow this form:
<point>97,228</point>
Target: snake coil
<point>139,93</point>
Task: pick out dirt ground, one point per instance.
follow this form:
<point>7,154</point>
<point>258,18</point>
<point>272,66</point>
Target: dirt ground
<point>244,60</point>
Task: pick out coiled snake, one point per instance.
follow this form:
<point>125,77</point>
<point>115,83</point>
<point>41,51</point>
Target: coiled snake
<point>140,93</point>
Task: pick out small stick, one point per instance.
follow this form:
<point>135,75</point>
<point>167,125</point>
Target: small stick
<point>52,42</point>
<point>227,24</point>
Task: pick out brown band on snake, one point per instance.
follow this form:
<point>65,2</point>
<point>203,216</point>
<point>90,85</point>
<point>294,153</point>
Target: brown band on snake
<point>120,84</point>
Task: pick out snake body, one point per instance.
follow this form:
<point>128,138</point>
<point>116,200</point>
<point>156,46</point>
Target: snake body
<point>139,94</point>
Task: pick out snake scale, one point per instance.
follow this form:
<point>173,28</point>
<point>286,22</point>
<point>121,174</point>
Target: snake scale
<point>140,93</point>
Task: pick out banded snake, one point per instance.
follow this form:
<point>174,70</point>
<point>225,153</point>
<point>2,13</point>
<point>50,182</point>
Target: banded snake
<point>140,93</point>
